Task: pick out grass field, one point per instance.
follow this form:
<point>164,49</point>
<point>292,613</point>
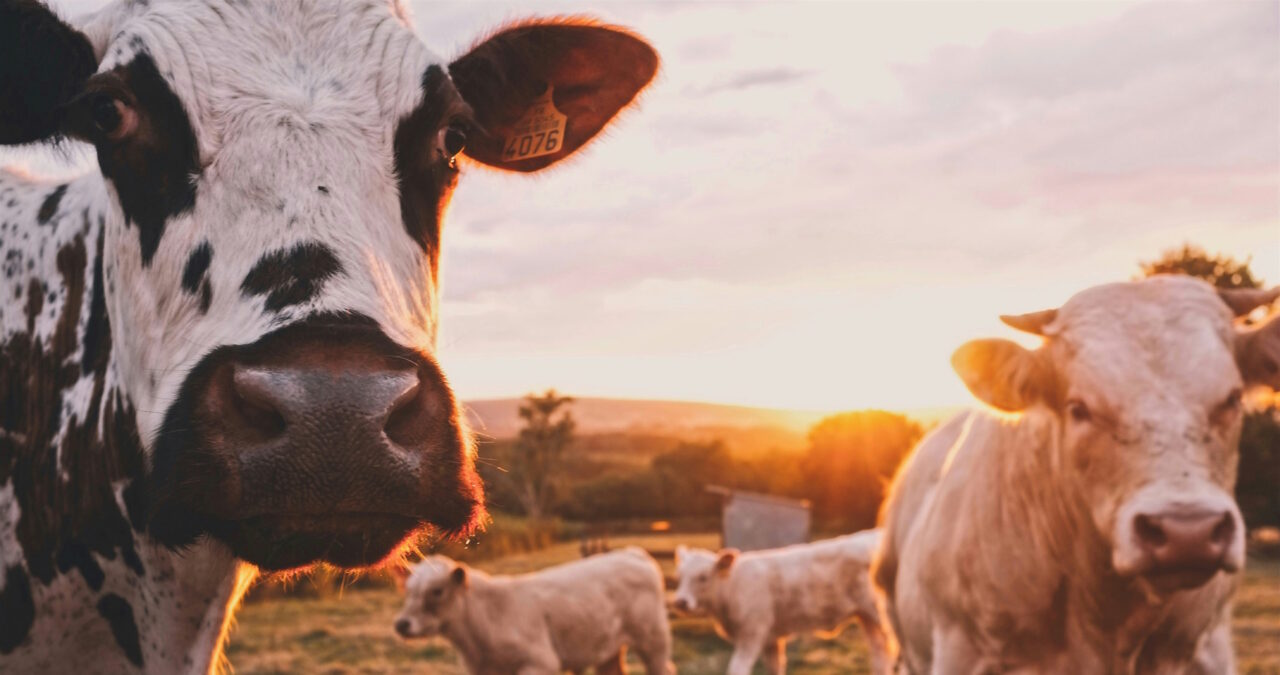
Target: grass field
<point>352,633</point>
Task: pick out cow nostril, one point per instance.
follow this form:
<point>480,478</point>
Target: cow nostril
<point>1224,530</point>
<point>408,420</point>
<point>254,404</point>
<point>1149,531</point>
<point>402,627</point>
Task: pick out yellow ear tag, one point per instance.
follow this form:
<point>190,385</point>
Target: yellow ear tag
<point>540,132</point>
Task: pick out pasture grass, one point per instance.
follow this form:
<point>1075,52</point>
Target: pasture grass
<point>352,633</point>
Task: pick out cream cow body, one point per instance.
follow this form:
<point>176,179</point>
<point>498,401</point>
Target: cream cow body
<point>759,599</point>
<point>571,617</point>
<point>1093,531</point>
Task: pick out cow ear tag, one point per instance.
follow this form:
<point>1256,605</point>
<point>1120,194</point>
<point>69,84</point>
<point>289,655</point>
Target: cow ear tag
<point>540,132</point>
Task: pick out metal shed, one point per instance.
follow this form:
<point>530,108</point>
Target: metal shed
<point>751,521</point>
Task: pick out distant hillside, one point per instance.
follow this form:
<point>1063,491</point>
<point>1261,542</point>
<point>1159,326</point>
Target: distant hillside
<point>745,429</point>
<point>498,418</point>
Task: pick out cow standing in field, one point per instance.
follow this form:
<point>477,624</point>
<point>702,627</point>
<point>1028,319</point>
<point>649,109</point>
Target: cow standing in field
<point>1093,531</point>
<point>573,617</point>
<point>759,599</point>
<point>216,350</point>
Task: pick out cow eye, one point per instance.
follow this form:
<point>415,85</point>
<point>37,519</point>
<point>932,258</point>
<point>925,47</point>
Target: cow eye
<point>437,592</point>
<point>455,140</point>
<point>1078,411</point>
<point>111,118</point>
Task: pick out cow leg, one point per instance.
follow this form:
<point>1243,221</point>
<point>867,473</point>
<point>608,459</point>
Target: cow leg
<point>614,665</point>
<point>657,657</point>
<point>775,657</point>
<point>745,652</point>
<point>877,644</point>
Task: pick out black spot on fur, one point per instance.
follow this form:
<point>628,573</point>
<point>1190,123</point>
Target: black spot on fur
<point>43,63</point>
<point>119,615</point>
<point>17,609</point>
<point>154,170</point>
<point>97,332</point>
<point>50,206</point>
<point>291,277</point>
<point>197,266</point>
<point>206,296</point>
<point>74,553</point>
<point>425,178</point>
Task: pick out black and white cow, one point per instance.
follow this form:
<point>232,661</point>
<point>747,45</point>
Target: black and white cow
<point>216,351</point>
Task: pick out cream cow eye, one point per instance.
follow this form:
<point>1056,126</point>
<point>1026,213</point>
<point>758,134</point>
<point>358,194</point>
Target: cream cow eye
<point>1078,411</point>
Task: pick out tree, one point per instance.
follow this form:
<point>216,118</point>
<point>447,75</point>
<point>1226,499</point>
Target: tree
<point>1259,472</point>
<point>1219,269</point>
<point>539,449</point>
<point>851,458</point>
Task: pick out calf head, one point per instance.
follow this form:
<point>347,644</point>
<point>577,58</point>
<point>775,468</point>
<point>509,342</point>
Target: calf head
<point>1143,384</point>
<point>274,179</point>
<point>700,573</point>
<point>433,596</point>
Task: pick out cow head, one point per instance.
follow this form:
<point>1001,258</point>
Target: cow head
<point>275,176</point>
<point>433,597</point>
<point>1143,383</point>
<point>700,574</point>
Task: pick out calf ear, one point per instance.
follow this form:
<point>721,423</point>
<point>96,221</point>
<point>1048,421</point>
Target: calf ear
<point>726,560</point>
<point>1003,374</point>
<point>590,72</point>
<point>459,576</point>
<point>1258,353</point>
<point>43,63</point>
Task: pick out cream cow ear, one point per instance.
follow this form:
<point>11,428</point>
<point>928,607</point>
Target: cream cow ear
<point>1003,374</point>
<point>726,560</point>
<point>459,576</point>
<point>1258,353</point>
<point>1242,301</point>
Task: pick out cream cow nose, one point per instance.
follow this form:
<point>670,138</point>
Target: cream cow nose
<point>402,627</point>
<point>1185,541</point>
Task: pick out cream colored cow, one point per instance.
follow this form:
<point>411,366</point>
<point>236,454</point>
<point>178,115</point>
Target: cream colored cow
<point>761,598</point>
<point>571,617</point>
<point>1090,528</point>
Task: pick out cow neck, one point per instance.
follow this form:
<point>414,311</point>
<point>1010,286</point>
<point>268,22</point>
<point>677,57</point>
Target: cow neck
<point>80,540</point>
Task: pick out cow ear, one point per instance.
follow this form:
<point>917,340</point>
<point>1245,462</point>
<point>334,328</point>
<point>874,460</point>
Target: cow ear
<point>459,576</point>
<point>1258,353</point>
<point>1003,374</point>
<point>680,553</point>
<point>43,64</point>
<point>590,72</point>
<point>726,560</point>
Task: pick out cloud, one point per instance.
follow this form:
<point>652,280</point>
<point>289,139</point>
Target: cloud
<point>842,192</point>
<point>752,78</point>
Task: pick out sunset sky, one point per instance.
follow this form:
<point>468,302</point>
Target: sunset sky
<point>816,203</point>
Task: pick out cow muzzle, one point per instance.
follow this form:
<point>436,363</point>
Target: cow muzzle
<point>1181,544</point>
<point>323,443</point>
